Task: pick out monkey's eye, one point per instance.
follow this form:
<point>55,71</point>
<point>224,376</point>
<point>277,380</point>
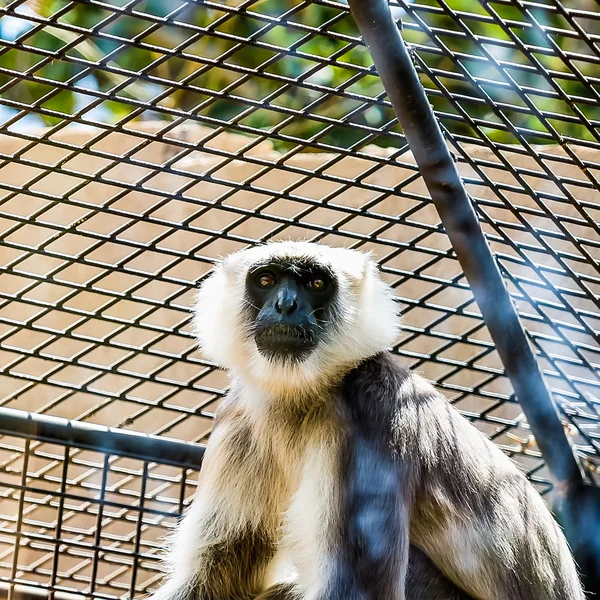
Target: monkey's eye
<point>317,284</point>
<point>265,280</point>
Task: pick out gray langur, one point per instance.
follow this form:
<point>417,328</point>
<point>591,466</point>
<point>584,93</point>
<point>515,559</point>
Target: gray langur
<point>335,473</point>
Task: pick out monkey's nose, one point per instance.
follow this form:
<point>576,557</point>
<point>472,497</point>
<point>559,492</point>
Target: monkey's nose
<point>286,305</point>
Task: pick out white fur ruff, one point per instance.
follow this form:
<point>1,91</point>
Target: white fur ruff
<point>367,320</point>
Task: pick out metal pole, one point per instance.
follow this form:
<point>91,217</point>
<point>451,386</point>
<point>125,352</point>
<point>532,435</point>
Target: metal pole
<point>458,216</point>
<point>110,440</point>
<point>577,504</point>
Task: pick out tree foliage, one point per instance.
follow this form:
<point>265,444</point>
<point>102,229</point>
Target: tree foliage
<point>161,58</point>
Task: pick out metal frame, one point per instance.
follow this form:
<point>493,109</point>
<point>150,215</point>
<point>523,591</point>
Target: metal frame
<point>68,445</point>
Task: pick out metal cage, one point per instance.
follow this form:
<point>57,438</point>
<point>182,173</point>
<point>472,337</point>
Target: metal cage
<point>85,508</point>
<point>142,139</point>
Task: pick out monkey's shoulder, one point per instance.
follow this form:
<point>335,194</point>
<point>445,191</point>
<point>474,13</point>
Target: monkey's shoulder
<point>381,390</point>
<point>384,381</point>
<point>389,402</point>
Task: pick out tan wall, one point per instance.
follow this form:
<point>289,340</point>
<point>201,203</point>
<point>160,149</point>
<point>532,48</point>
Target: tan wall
<point>57,361</point>
<point>67,230</point>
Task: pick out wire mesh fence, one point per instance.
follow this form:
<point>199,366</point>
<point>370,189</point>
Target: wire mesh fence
<point>140,140</point>
<point>78,521</point>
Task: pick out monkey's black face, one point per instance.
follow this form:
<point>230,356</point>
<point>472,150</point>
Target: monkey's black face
<point>290,305</point>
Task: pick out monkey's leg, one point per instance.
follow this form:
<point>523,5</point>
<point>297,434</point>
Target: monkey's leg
<point>224,543</point>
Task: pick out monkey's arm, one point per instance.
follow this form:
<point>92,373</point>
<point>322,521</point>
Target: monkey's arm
<point>222,546</point>
<point>476,515</point>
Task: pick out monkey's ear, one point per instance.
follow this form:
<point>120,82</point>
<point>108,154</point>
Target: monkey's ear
<point>353,264</point>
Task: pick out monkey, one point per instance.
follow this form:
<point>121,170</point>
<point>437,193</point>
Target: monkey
<point>331,458</point>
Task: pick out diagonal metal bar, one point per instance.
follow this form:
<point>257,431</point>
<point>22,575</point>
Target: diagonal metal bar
<point>401,81</point>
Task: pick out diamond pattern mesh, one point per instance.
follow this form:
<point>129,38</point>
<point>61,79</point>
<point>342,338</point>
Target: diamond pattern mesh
<point>142,139</point>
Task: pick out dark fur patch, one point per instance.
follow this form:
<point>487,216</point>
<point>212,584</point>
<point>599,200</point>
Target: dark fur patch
<point>372,550</point>
<point>234,569</point>
<point>425,582</point>
<point>371,393</point>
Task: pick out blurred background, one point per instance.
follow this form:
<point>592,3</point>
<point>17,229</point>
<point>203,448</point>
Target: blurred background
<point>141,140</point>
<point>530,37</point>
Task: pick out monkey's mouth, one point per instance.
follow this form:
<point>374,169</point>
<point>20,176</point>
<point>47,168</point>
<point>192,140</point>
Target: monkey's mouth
<point>284,340</point>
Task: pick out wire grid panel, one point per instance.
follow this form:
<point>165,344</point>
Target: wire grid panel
<point>142,139</point>
<point>77,523</point>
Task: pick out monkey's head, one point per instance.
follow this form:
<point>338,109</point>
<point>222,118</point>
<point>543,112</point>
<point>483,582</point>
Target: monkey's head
<point>291,317</point>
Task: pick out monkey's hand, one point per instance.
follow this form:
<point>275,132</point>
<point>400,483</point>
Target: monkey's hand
<point>230,569</point>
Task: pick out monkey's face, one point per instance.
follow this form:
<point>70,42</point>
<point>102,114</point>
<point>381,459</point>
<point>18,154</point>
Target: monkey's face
<point>290,304</point>
<point>291,317</point>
